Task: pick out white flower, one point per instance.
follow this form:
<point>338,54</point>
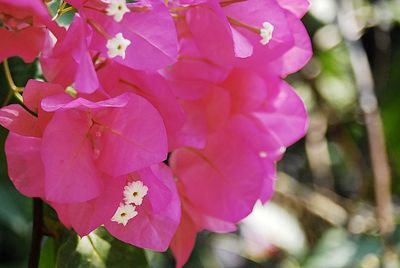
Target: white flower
<point>266,33</point>
<point>263,154</point>
<point>134,193</point>
<point>124,213</point>
<point>117,8</point>
<point>117,46</point>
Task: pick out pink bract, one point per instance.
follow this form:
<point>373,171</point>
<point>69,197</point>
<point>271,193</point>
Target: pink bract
<point>159,215</point>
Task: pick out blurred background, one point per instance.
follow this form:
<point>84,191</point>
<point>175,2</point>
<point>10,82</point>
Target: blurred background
<point>337,200</point>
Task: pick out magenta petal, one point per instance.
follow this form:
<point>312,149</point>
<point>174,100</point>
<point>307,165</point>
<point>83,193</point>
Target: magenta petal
<point>14,43</point>
<point>227,165</point>
<point>116,78</point>
<point>193,71</point>
<point>255,13</point>
<point>285,115</point>
<point>217,44</point>
<point>152,228</point>
<point>24,162</point>
<point>65,102</point>
<point>134,138</point>
<point>269,181</point>
<point>153,36</point>
<point>70,174</point>
<point>36,90</point>
<point>296,57</point>
<point>160,195</point>
<point>297,7</point>
<point>184,239</point>
<point>207,222</point>
<point>69,61</point>
<point>248,90</point>
<point>243,48</point>
<point>16,119</point>
<point>86,80</point>
<point>87,216</point>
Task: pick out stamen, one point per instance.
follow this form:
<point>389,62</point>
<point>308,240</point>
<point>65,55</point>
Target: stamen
<point>266,33</point>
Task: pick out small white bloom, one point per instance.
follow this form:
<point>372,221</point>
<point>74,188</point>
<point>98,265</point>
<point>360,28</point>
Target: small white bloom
<point>124,213</point>
<point>266,33</point>
<point>263,154</point>
<point>117,8</point>
<point>134,192</point>
<point>117,46</point>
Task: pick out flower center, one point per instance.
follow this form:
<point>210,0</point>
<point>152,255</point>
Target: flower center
<point>117,46</point>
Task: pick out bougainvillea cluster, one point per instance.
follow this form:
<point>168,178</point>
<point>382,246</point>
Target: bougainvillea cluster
<point>156,119</point>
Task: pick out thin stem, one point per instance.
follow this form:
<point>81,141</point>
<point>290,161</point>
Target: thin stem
<point>37,233</point>
<point>9,78</point>
<point>14,90</point>
<point>59,10</point>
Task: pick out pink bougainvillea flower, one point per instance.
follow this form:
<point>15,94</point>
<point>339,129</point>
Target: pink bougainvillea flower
<point>255,29</point>
<point>85,133</point>
<point>252,18</point>
<point>260,35</point>
<point>154,220</point>
<point>158,214</point>
<point>144,39</point>
<point>83,137</point>
<point>24,22</point>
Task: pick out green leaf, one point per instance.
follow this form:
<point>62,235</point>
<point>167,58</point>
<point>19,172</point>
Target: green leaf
<point>99,249</point>
<point>48,254</point>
